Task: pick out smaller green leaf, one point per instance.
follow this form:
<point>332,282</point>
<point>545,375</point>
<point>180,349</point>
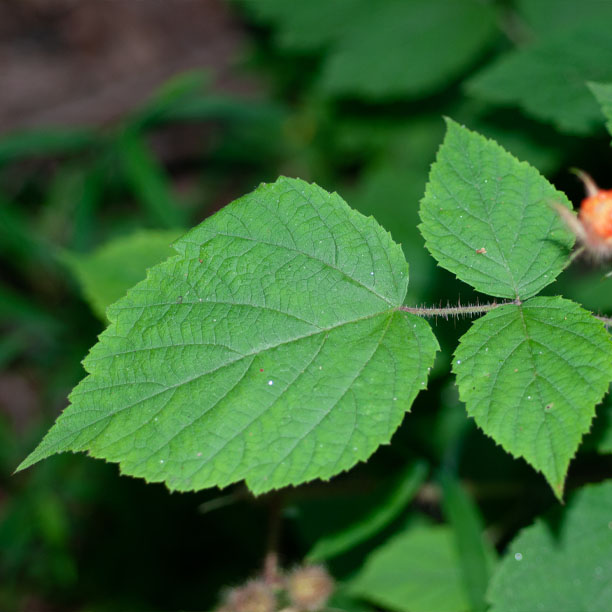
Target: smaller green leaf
<point>548,78</point>
<point>418,570</point>
<point>106,274</point>
<point>566,567</point>
<point>603,93</point>
<point>477,554</point>
<point>531,375</point>
<point>385,512</point>
<point>487,218</point>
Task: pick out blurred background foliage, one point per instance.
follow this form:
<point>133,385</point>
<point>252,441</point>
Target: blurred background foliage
<point>125,123</point>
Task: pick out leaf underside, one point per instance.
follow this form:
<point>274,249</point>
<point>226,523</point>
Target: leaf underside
<point>531,375</point>
<point>487,218</point>
<point>270,349</point>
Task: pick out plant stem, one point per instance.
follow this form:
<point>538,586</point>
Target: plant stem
<point>456,311</point>
<point>271,572</point>
<point>607,321</point>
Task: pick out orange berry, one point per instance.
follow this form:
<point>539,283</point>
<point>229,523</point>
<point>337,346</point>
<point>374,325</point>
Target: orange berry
<point>596,214</point>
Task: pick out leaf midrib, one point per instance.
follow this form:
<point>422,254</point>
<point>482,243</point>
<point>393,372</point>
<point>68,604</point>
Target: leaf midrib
<point>200,375</point>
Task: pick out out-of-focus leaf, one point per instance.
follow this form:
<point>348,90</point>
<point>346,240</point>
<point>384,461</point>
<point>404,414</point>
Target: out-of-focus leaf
<point>393,49</point>
<point>600,437</point>
<point>308,26</point>
<point>548,78</point>
<point>106,274</point>
<point>173,93</point>
<point>407,48</point>
<point>603,93</point>
<point>545,16</point>
<point>364,528</point>
<point>565,567</point>
<point>148,180</point>
<point>476,554</point>
<point>45,142</point>
<point>418,570</point>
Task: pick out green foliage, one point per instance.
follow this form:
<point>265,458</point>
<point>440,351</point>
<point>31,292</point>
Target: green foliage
<point>389,52</point>
<point>601,438</point>
<point>548,78</point>
<point>416,571</point>
<point>106,274</point>
<point>543,16</point>
<point>347,103</point>
<point>486,217</point>
<point>477,556</point>
<point>560,565</point>
<point>280,315</point>
<point>42,142</point>
<point>365,527</point>
<point>531,374</point>
<point>603,94</point>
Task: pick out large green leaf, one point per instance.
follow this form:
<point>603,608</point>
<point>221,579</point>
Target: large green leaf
<point>270,349</point>
<point>486,217</point>
<point>548,78</point>
<point>531,375</point>
<point>418,570</point>
<point>106,274</point>
<point>390,49</point>
<point>564,567</point>
<point>603,93</point>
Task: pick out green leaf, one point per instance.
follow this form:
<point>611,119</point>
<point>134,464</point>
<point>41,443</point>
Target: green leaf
<point>270,349</point>
<point>402,48</point>
<point>544,16</point>
<point>481,197</point>
<point>407,48</point>
<point>477,554</point>
<point>416,571</point>
<point>308,26</point>
<point>603,93</point>
<point>386,511</point>
<point>531,374</point>
<point>106,274</point>
<point>566,567</point>
<point>548,78</point>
